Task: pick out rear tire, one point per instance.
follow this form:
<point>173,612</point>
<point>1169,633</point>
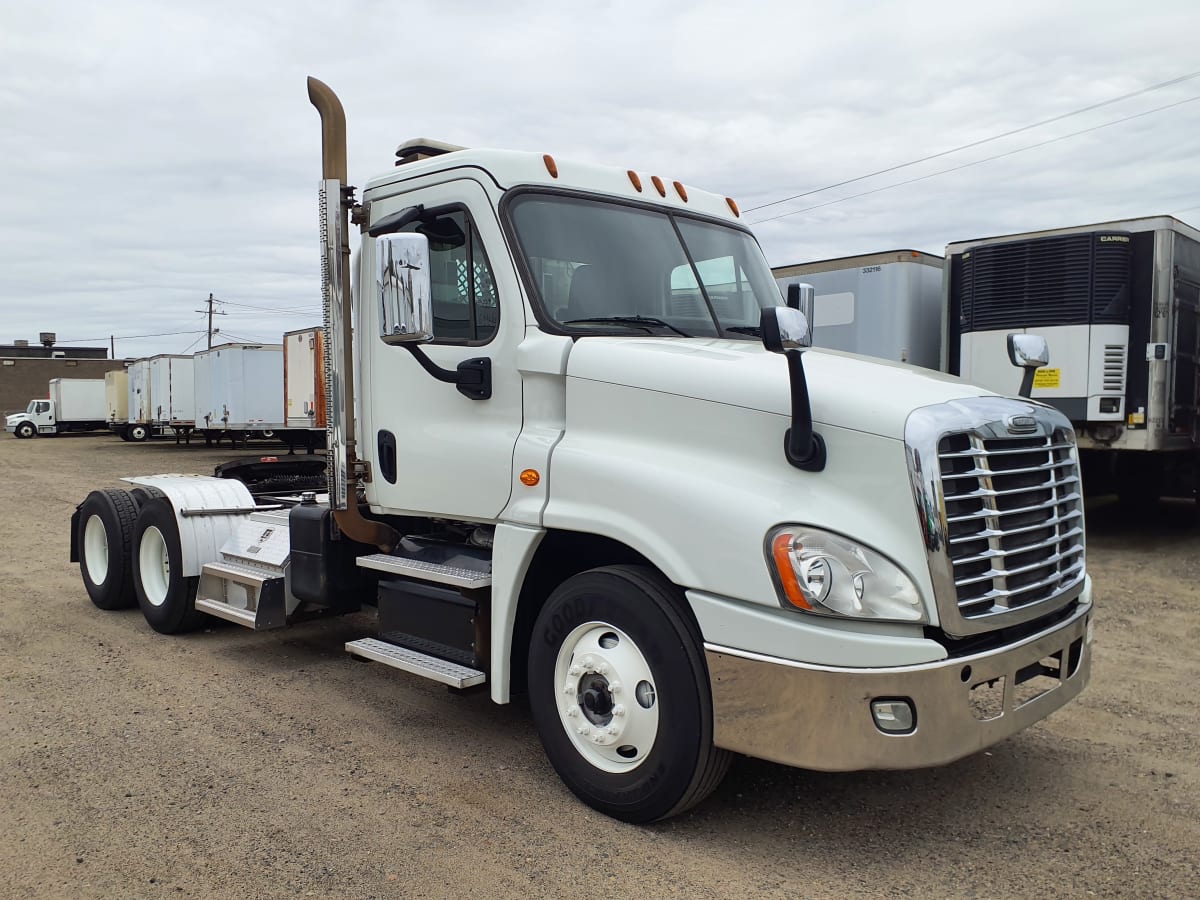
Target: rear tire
<point>619,692</point>
<point>166,597</point>
<point>25,430</point>
<point>105,541</point>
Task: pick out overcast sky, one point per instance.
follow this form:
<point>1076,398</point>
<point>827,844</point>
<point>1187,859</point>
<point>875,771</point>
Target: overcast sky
<point>156,152</point>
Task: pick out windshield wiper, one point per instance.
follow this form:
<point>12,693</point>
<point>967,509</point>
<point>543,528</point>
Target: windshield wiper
<point>753,330</point>
<point>629,320</point>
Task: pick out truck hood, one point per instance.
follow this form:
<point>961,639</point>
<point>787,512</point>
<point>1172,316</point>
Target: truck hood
<point>14,418</point>
<point>846,390</point>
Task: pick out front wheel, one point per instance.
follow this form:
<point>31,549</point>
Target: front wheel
<point>25,430</point>
<point>620,696</point>
<point>138,432</point>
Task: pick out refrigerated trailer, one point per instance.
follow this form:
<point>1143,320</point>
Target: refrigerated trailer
<point>304,367</point>
<point>887,304</point>
<point>116,397</point>
<point>172,392</point>
<point>1119,303</point>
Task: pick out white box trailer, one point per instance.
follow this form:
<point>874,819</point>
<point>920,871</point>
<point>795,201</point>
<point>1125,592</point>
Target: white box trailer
<point>116,397</point>
<point>239,389</point>
<point>887,305</point>
<point>172,391</point>
<point>140,407</point>
<point>304,378</point>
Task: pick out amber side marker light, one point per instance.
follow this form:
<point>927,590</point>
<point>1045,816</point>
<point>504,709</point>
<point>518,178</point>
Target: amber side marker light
<point>780,551</point>
<point>635,181</point>
<point>551,165</point>
<point>530,477</point>
<point>733,207</point>
<point>658,185</point>
<point>680,191</point>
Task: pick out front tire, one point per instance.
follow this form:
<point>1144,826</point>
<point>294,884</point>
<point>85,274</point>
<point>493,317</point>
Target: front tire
<point>619,693</point>
<point>105,540</point>
<point>166,597</point>
<point>139,433</point>
<point>25,430</point>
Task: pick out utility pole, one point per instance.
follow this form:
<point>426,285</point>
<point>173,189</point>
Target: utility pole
<point>211,301</point>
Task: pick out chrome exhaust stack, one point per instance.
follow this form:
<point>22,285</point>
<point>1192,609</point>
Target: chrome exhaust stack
<point>335,202</point>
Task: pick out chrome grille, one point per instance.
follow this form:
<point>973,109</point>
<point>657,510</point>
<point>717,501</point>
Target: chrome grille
<point>998,500</point>
<point>1014,519</point>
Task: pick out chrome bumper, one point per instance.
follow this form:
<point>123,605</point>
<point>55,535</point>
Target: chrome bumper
<point>819,717</point>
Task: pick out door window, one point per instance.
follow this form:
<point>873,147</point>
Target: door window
<point>466,309</point>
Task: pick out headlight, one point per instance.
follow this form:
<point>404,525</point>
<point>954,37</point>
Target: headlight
<point>825,573</point>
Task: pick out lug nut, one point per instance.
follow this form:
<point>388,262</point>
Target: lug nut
<point>575,671</point>
<point>614,687</point>
<point>618,710</point>
<point>573,711</point>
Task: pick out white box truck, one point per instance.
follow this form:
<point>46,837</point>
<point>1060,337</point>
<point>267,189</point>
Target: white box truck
<point>239,391</point>
<point>74,404</point>
<point>578,449</point>
<point>886,304</point>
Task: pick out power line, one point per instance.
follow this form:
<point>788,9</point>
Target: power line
<point>277,309</point>
<point>1058,118</point>
<point>888,187</point>
<point>127,337</point>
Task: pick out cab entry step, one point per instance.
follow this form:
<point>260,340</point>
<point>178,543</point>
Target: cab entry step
<point>421,570</point>
<point>417,663</point>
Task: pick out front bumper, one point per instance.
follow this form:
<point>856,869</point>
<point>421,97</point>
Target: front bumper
<point>819,717</point>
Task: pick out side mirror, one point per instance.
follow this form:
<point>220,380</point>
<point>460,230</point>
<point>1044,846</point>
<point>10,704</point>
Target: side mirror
<point>402,286</point>
<point>1029,352</point>
<point>803,297</point>
<point>784,328</point>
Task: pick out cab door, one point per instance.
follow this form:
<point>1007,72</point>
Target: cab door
<point>435,451</point>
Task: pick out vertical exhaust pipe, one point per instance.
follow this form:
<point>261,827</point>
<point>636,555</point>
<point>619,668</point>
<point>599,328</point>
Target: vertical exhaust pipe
<point>341,463</point>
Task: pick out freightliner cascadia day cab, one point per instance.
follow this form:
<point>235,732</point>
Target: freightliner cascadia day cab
<point>575,451</point>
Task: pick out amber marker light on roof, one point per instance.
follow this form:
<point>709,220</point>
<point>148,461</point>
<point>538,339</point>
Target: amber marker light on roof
<point>551,165</point>
<point>679,189</point>
<point>635,181</point>
<point>781,551</point>
<point>658,185</point>
<point>733,207</point>
<point>530,477</point>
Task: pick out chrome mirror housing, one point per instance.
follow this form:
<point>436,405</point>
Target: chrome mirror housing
<point>1028,351</point>
<point>784,328</point>
<point>403,288</point>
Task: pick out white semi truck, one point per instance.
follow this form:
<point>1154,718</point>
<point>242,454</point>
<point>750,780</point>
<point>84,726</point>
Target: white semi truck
<point>73,404</point>
<point>575,451</point>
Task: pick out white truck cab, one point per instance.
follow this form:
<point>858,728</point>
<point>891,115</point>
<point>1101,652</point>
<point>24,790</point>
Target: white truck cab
<point>38,418</point>
<point>590,463</point>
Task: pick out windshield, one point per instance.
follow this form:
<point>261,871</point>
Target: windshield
<point>603,266</point>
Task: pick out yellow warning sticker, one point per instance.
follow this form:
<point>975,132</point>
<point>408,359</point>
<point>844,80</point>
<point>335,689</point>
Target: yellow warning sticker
<point>1047,378</point>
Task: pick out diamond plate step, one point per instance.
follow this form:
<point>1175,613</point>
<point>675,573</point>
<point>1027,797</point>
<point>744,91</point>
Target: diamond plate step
<point>417,663</point>
<point>426,571</point>
<point>248,595</point>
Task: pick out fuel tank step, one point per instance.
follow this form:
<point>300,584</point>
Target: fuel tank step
<point>421,570</point>
<point>417,663</point>
<point>251,597</point>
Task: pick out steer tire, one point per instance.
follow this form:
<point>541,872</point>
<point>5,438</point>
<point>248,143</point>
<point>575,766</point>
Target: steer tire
<point>166,597</point>
<point>633,738</point>
<point>105,540</point>
<point>138,433</point>
<point>25,430</point>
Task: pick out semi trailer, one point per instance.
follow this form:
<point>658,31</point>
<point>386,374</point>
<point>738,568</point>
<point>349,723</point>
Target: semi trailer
<point>578,449</point>
<point>1120,303</point>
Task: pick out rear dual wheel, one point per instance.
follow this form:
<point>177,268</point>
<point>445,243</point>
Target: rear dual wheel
<point>166,597</point>
<point>104,541</point>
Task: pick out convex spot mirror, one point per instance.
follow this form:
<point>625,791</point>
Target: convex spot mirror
<point>402,288</point>
<point>784,328</point>
<point>1028,351</point>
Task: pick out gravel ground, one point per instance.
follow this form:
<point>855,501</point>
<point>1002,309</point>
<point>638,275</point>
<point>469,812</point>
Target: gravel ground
<point>227,763</point>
